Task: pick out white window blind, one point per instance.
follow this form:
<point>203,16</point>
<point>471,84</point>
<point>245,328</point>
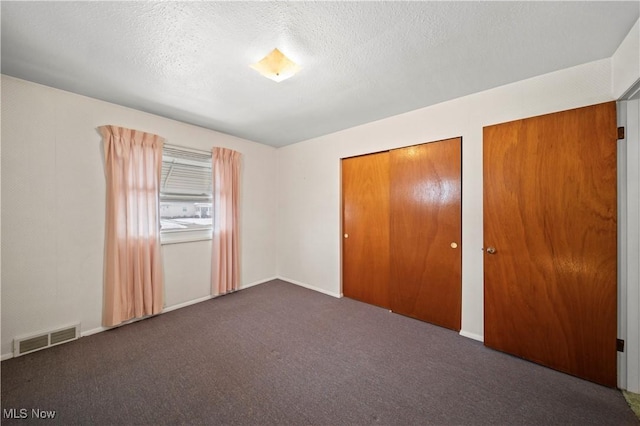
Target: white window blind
<point>185,173</point>
<point>185,194</point>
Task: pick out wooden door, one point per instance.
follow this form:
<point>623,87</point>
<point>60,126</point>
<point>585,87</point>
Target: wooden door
<point>550,215</point>
<point>426,233</point>
<point>365,224</point>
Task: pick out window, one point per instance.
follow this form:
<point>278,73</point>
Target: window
<point>185,195</point>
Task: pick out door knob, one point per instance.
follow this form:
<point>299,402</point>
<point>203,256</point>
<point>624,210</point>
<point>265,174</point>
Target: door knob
<point>491,250</point>
<point>454,245</point>
<point>346,235</point>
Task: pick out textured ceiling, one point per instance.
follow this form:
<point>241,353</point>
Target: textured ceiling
<point>361,61</point>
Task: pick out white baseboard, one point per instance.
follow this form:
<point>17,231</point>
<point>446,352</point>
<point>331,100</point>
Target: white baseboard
<point>242,287</point>
<point>93,331</point>
<point>473,336</point>
<point>187,303</point>
<point>310,287</point>
<point>6,356</point>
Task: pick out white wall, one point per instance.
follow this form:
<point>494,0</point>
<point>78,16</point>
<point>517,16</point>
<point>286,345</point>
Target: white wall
<point>626,62</point>
<point>53,190</point>
<point>309,174</point>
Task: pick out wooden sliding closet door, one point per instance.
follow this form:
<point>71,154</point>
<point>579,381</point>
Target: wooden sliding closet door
<point>425,233</point>
<point>365,223</point>
<point>550,240</point>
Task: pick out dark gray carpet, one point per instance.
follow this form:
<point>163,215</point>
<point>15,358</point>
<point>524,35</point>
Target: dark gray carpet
<point>281,354</point>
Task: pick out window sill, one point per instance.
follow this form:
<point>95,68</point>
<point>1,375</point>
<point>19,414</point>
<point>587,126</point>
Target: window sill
<point>187,236</point>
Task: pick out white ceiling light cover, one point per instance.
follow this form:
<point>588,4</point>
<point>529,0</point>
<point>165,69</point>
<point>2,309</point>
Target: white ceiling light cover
<point>276,66</point>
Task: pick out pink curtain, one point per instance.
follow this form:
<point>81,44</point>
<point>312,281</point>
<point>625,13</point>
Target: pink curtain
<point>226,188</point>
<point>133,280</point>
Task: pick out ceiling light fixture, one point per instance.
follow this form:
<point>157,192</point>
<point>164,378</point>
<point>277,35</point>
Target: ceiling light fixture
<point>275,66</point>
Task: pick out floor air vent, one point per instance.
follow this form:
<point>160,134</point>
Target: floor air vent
<point>25,345</point>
